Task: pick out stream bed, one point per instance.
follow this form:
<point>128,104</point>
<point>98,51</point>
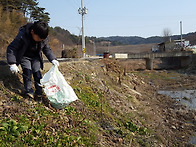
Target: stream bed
<point>185,97</point>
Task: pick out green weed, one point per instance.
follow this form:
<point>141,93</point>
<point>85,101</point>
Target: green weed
<point>134,128</point>
<point>16,98</point>
<point>10,130</point>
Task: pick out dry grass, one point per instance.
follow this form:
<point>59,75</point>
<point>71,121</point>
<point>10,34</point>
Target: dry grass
<point>125,48</point>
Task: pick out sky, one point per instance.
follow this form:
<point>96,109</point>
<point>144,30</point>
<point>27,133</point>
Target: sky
<point>143,18</point>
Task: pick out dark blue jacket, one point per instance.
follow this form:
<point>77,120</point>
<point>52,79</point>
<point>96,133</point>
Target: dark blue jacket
<point>20,44</point>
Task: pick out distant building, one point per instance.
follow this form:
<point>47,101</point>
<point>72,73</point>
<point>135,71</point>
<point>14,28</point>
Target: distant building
<point>105,43</point>
<point>175,45</point>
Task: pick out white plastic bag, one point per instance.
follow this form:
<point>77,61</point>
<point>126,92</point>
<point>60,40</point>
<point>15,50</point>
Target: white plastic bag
<point>58,91</point>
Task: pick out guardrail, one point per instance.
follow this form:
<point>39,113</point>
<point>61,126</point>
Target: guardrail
<point>185,56</point>
<point>160,55</point>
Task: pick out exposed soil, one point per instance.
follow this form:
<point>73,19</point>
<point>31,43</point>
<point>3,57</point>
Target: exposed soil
<point>129,89</point>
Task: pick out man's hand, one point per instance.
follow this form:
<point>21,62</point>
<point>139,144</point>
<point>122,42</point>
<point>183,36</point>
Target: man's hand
<point>55,62</point>
<point>14,68</point>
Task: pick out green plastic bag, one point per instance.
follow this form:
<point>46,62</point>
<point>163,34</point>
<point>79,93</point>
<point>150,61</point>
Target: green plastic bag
<point>58,91</point>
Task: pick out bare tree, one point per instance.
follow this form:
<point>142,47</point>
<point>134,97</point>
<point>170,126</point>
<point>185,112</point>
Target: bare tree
<point>167,34</point>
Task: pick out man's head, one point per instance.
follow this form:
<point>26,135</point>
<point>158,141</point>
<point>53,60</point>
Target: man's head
<point>39,31</point>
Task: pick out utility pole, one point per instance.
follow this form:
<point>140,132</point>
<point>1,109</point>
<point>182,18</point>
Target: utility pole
<point>82,11</point>
<point>94,48</point>
<point>181,33</point>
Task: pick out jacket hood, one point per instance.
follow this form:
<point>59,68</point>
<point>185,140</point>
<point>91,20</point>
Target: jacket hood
<point>26,29</point>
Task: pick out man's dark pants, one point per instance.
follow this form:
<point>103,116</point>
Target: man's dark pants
<point>31,67</point>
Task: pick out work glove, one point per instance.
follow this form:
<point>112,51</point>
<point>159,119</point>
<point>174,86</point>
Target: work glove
<point>55,62</point>
<point>14,68</point>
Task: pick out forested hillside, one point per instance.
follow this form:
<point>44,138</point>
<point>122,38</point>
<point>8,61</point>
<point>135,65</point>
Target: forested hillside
<point>133,40</point>
<point>9,23</point>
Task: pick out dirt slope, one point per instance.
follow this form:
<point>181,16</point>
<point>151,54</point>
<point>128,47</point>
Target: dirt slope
<point>117,106</point>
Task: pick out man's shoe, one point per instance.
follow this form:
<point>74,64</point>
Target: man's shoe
<point>29,98</point>
<point>38,98</point>
<point>29,95</point>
